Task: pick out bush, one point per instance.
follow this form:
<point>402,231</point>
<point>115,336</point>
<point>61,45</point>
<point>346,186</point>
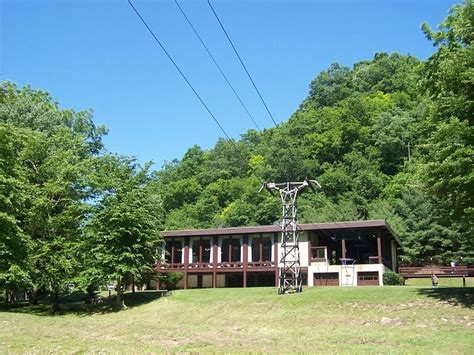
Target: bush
<point>392,278</point>
<point>170,279</point>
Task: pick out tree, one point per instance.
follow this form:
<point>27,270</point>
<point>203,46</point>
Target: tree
<point>58,169</point>
<point>447,161</point>
<point>15,244</point>
<point>52,163</point>
<point>122,239</point>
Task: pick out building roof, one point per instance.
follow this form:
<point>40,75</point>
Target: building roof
<point>379,224</point>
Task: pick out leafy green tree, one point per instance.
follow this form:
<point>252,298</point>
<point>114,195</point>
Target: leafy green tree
<point>448,162</point>
<point>395,136</point>
<point>330,86</point>
<point>177,193</point>
<point>14,242</point>
<point>318,208</point>
<point>36,110</point>
<point>53,161</point>
<point>122,239</point>
<point>449,71</point>
<point>58,166</point>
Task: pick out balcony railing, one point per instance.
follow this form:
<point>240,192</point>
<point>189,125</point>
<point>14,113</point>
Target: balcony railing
<point>221,265</point>
<point>375,260</point>
<point>170,266</point>
<point>200,265</point>
<point>230,264</point>
<point>261,264</point>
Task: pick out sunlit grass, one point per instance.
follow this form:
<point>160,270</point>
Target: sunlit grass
<point>364,319</point>
<point>442,282</point>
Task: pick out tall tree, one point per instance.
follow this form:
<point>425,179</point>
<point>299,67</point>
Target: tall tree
<point>448,159</point>
<point>54,161</point>
<point>122,240</point>
<point>15,244</point>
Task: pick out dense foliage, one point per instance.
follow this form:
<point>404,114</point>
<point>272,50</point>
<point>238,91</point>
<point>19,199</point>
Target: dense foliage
<point>55,185</point>
<point>389,138</point>
<point>392,279</point>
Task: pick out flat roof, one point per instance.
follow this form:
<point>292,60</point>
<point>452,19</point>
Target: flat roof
<point>370,224</point>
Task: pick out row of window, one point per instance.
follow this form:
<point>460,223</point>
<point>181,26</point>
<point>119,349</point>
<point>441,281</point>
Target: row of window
<point>230,250</point>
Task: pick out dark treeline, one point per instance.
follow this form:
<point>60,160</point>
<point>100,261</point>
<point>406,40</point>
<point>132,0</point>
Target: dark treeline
<point>389,138</point>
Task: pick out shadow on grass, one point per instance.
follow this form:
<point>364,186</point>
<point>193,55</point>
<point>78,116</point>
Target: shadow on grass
<point>459,296</point>
<point>79,307</point>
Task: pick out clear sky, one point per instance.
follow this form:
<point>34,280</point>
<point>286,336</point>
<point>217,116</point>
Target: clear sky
<point>97,54</point>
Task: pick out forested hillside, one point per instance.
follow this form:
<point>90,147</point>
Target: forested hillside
<point>391,137</point>
<point>388,138</point>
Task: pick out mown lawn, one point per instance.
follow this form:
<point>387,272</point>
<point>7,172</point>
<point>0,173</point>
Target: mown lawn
<point>442,282</point>
<point>388,319</point>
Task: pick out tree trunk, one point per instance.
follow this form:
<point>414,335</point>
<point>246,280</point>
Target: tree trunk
<point>55,306</point>
<point>120,302</point>
<point>33,297</point>
<point>133,286</point>
<point>90,293</point>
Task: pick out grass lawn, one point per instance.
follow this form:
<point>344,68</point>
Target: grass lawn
<point>442,282</point>
<point>401,319</point>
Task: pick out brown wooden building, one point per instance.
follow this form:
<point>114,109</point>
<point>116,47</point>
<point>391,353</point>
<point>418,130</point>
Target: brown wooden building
<point>341,253</point>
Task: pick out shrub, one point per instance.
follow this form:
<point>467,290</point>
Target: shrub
<point>392,278</point>
<point>170,279</point>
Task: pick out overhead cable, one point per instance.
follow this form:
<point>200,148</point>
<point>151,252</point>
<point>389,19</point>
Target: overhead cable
<point>241,62</point>
<point>217,65</point>
<point>179,70</point>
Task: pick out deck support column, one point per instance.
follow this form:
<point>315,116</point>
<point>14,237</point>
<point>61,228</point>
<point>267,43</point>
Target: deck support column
<point>379,248</point>
<point>186,264</point>
<point>275,259</point>
<point>245,258</point>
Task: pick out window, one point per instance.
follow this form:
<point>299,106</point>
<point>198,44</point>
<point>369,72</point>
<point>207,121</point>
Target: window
<point>230,250</point>
<point>201,251</point>
<point>368,276</point>
<point>319,253</point>
<point>174,252</point>
<point>262,249</point>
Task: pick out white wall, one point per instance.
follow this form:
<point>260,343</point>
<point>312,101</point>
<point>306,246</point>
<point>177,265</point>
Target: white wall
<point>344,280</point>
<point>303,244</point>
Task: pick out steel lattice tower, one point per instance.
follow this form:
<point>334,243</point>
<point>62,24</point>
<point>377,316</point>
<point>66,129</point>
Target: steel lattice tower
<point>289,263</point>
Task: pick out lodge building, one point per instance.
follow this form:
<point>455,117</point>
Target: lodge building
<point>331,254</point>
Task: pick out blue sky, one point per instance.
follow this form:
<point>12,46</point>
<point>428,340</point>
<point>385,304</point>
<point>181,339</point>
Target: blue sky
<point>97,54</point>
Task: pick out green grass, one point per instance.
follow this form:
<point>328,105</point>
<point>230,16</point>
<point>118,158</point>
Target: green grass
<point>442,282</point>
<point>347,320</point>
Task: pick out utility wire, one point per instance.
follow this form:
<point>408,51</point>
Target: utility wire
<point>241,62</point>
<point>179,70</point>
<point>217,65</point>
